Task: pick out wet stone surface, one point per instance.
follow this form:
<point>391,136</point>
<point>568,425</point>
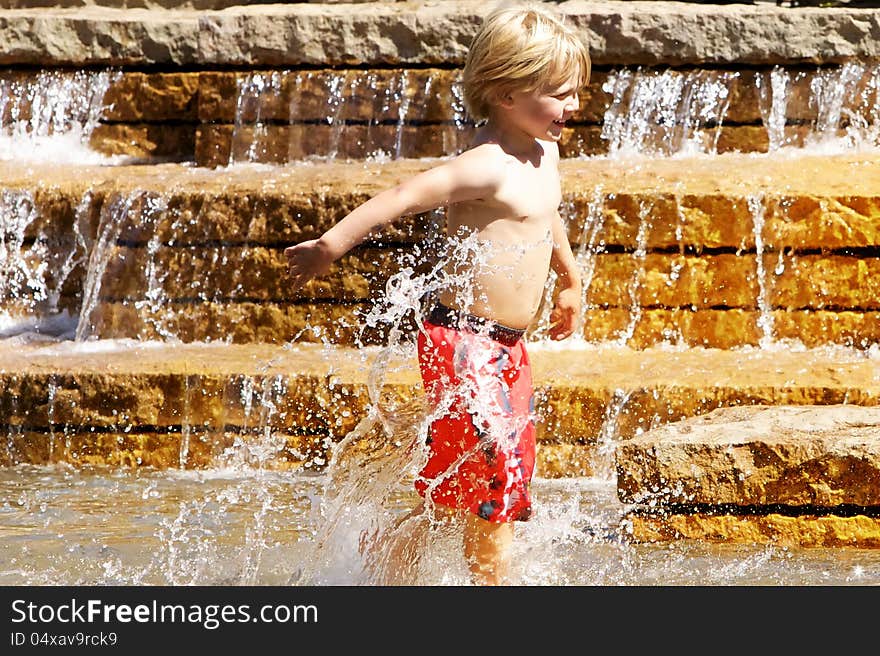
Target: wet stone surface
<point>788,475</point>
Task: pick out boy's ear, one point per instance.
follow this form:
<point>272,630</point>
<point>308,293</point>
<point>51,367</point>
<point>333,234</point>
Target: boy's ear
<point>501,98</point>
<point>504,99</point>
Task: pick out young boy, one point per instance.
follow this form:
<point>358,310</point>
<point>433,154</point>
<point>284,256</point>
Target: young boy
<point>521,81</point>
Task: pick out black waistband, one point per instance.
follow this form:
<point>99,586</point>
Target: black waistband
<point>440,315</point>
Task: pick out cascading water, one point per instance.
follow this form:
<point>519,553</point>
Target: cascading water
<point>252,93</point>
<point>840,99</point>
<point>773,94</point>
<point>661,113</point>
<point>52,115</point>
<point>634,287</point>
<point>765,317</point>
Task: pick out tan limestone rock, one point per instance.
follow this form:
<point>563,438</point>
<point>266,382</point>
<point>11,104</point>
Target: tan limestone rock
<point>135,97</point>
<point>144,142</point>
<point>588,398</point>
<point>823,456</point>
<point>859,531</point>
<point>425,33</point>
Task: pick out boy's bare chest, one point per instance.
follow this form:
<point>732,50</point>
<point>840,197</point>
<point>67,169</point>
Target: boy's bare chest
<point>530,191</point>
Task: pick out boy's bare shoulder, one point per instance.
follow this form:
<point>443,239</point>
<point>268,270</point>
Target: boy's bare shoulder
<point>481,164</point>
<point>483,153</point>
<point>487,166</point>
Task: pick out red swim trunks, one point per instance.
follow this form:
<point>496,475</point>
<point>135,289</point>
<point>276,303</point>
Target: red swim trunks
<point>482,437</point>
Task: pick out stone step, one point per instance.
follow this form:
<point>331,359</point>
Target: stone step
<point>813,201</point>
<point>187,85</point>
<point>342,324</point>
<point>278,116</point>
<point>672,281</point>
<point>424,33</point>
<point>789,475</point>
<point>743,250</point>
<point>172,405</point>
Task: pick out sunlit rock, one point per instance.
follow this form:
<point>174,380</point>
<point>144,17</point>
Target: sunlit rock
<point>806,456</point>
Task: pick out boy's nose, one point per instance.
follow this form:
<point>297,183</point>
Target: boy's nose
<point>573,103</point>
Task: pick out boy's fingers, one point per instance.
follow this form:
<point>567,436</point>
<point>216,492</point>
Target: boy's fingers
<point>562,323</point>
<point>298,281</point>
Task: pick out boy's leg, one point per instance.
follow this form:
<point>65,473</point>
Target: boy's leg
<point>394,559</point>
<point>487,550</point>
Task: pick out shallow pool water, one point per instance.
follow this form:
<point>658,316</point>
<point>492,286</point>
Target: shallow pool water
<point>65,526</point>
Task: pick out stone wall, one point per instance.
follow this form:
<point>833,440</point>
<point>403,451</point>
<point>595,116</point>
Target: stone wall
<point>426,33</point>
<point>179,71</point>
<point>672,249</point>
<point>176,96</point>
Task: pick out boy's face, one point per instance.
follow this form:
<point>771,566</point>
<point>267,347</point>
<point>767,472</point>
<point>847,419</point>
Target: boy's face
<point>543,113</point>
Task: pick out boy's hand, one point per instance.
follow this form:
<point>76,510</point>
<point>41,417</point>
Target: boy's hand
<point>564,316</point>
<point>307,260</point>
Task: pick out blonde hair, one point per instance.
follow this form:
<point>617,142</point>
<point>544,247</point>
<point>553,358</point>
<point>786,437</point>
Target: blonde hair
<point>524,47</point>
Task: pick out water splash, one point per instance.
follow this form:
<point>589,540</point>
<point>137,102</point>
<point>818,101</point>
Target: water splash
<point>51,116</point>
<point>364,534</point>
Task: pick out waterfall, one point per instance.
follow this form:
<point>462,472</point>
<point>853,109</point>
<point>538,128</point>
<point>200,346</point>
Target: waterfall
<point>665,113</point>
<point>840,99</point>
<point>250,135</point>
<point>51,116</point>
<point>765,311</point>
<point>635,283</point>
<point>773,102</point>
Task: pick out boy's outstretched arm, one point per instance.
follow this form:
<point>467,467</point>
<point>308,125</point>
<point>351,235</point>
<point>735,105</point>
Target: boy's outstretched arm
<point>567,307</point>
<point>464,178</point>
